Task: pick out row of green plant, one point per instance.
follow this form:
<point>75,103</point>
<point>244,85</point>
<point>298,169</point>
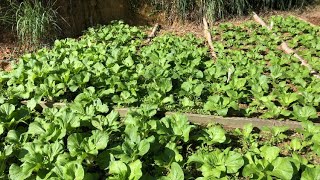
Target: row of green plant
<point>220,9</point>
<point>34,21</point>
<point>280,77</point>
<point>250,78</point>
<point>86,140</point>
<point>301,36</point>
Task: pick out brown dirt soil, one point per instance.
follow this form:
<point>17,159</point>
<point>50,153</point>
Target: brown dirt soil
<point>7,46</point>
<point>312,15</point>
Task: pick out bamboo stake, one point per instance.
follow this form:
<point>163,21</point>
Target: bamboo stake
<point>209,38</point>
<point>286,49</point>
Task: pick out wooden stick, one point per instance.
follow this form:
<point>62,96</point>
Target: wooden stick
<point>153,32</point>
<point>286,49</point>
<point>209,38</point>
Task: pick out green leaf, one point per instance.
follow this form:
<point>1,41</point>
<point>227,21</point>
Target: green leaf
<point>15,172</point>
<point>73,170</point>
<point>234,161</point>
<point>176,172</point>
<point>100,107</point>
<point>32,104</point>
<point>74,144</point>
<point>247,130</point>
<point>270,153</point>
<point>36,128</point>
<point>186,102</point>
<point>119,170</point>
<point>288,98</point>
<point>198,89</point>
<point>7,109</point>
<point>304,113</point>
<point>187,86</point>
<point>295,144</point>
<point>1,129</point>
<point>99,139</point>
<point>316,139</point>
<point>311,173</point>
<point>144,147</point>
<point>282,168</point>
<point>135,170</point>
<point>13,136</point>
<point>222,112</point>
<point>213,135</point>
<point>128,61</point>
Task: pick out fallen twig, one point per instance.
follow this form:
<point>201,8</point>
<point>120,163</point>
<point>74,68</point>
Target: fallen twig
<point>260,21</point>
<point>209,38</point>
<point>153,33</point>
<point>284,46</point>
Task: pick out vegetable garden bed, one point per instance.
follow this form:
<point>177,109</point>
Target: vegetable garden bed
<point>113,66</point>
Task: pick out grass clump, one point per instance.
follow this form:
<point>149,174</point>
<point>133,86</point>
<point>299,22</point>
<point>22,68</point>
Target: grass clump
<point>34,21</point>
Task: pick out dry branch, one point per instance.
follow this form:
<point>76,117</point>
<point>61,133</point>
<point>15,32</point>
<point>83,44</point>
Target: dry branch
<point>209,38</point>
<point>260,21</point>
<point>153,33</point>
<point>286,49</point>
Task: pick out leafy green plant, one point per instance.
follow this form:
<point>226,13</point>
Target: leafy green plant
<point>109,67</point>
<point>276,134</point>
<point>247,138</point>
<point>217,164</point>
<point>269,165</point>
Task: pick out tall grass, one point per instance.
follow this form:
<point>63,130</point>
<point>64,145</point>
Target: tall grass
<point>35,21</point>
<point>214,10</point>
<point>220,9</point>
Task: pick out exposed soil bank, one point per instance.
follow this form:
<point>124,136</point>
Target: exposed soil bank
<point>81,14</point>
